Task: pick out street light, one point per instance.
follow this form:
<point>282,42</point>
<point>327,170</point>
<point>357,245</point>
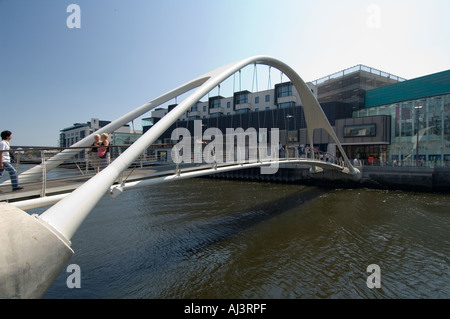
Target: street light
<point>418,108</point>
<point>288,117</point>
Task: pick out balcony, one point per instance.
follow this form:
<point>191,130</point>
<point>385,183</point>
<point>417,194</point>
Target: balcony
<point>286,99</point>
<point>194,113</point>
<point>216,110</point>
<point>242,106</point>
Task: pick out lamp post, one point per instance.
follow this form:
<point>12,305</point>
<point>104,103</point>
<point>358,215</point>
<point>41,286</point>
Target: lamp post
<point>418,108</point>
<point>288,117</point>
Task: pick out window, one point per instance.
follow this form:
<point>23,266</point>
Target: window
<point>285,105</point>
<point>149,121</point>
<point>241,98</point>
<point>360,130</point>
<point>216,103</point>
<point>267,98</point>
<point>228,105</point>
<point>256,99</point>
<point>284,90</point>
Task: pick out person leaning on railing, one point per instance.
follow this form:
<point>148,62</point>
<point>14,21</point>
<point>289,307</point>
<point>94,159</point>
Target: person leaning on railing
<point>5,160</point>
<point>103,152</point>
<point>95,160</point>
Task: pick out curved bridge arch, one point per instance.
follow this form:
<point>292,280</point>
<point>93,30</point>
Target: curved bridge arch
<point>314,115</point>
<point>68,214</point>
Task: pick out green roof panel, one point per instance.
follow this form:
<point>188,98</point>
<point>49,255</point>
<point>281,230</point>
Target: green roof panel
<point>429,85</point>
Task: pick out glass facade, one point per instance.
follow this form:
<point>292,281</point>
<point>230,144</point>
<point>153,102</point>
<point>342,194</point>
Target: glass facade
<point>286,105</point>
<point>284,90</point>
<point>241,98</point>
<point>420,134</point>
<point>350,85</point>
<point>123,140</point>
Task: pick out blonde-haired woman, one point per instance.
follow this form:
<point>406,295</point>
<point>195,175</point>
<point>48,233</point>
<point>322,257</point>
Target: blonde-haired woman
<point>103,151</point>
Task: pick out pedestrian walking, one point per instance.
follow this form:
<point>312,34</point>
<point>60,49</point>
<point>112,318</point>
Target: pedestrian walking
<point>5,160</point>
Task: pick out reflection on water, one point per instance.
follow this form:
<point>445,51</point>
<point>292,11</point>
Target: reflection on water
<point>205,238</point>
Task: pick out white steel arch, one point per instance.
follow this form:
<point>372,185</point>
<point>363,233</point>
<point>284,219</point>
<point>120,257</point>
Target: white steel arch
<point>68,214</point>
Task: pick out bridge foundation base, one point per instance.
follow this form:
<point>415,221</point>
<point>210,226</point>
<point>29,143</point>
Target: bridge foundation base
<point>32,254</point>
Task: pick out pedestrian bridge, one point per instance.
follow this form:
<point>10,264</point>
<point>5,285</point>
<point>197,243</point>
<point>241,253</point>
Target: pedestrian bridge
<point>42,246</point>
<point>53,186</point>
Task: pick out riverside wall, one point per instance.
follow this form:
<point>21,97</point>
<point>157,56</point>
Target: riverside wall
<point>379,177</point>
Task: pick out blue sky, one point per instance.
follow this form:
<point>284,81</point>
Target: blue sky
<point>129,52</point>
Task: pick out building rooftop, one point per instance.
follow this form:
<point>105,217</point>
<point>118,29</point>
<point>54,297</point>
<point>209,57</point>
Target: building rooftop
<point>357,68</point>
<point>75,126</point>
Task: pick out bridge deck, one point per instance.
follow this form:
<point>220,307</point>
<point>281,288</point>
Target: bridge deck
<point>68,184</point>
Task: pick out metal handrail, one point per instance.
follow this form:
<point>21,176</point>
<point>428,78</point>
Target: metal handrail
<point>72,168</point>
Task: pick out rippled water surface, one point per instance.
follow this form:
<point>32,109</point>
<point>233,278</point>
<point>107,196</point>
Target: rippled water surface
<point>205,238</point>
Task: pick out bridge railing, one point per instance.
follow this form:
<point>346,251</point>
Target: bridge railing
<point>86,164</point>
<point>83,165</point>
<point>252,153</point>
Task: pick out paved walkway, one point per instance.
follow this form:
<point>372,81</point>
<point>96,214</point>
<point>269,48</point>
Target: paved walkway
<point>68,184</point>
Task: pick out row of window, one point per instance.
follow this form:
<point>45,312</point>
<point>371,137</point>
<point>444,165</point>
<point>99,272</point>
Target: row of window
<point>241,111</point>
<point>240,99</point>
<point>81,134</point>
<point>68,141</point>
<point>282,90</point>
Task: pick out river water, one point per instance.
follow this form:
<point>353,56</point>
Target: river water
<point>209,238</point>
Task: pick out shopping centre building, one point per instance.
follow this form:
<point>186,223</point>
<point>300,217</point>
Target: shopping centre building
<point>417,124</point>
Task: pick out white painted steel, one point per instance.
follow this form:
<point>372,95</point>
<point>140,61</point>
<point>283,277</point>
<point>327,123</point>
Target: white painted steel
<point>68,214</point>
<point>116,190</point>
<point>38,202</point>
<point>32,254</point>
